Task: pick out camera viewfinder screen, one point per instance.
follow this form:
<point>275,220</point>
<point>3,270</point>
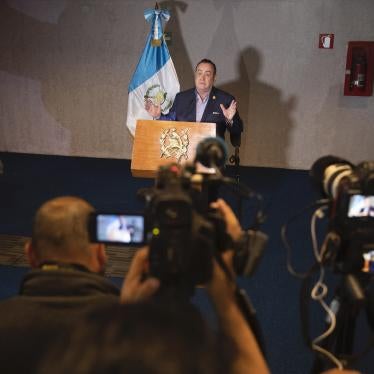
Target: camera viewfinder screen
<point>368,262</point>
<point>361,206</point>
<point>120,228</point>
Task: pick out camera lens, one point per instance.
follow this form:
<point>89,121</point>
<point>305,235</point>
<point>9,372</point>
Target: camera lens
<point>327,172</point>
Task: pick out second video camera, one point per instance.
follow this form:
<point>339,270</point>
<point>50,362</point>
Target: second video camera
<point>350,189</point>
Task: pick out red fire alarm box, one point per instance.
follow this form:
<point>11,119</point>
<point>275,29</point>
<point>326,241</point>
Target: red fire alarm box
<point>359,71</point>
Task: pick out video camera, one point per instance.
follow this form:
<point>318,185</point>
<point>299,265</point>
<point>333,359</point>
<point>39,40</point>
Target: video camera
<point>347,249</point>
<point>184,233</point>
<point>350,190</point>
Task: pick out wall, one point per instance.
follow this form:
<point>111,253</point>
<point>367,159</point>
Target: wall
<point>65,66</point>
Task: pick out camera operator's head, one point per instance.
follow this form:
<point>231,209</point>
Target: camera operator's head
<point>60,235</point>
<point>143,338</point>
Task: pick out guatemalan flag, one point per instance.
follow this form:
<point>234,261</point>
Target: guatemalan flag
<point>155,77</point>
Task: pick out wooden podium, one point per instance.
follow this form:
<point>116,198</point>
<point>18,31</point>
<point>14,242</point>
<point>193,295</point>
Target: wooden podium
<point>158,143</point>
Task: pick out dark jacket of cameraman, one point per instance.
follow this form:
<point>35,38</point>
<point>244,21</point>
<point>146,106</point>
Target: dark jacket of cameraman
<point>51,300</point>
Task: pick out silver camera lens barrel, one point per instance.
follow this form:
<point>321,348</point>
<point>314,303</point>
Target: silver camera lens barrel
<point>333,175</point>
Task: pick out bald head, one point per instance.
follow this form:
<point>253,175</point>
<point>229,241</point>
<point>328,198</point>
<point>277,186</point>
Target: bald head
<point>60,230</point>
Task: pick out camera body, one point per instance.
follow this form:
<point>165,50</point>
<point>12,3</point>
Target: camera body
<point>185,234</point>
<point>353,219</point>
<point>353,210</point>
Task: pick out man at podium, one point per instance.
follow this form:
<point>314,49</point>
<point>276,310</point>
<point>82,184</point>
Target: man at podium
<point>204,103</point>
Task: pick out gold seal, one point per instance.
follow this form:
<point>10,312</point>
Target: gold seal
<point>173,144</point>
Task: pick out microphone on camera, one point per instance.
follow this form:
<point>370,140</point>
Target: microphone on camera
<point>211,152</point>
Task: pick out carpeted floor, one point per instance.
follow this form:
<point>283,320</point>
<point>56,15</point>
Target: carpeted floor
<point>12,254</point>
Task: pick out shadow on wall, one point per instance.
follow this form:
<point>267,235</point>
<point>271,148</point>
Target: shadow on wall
<point>267,117</point>
<point>77,62</point>
<point>177,48</point>
<point>342,140</point>
<point>63,78</point>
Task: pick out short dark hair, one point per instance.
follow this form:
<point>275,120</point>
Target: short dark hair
<point>143,338</point>
<point>207,61</point>
<point>60,228</point>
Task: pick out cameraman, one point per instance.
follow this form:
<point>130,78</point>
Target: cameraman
<point>65,282</point>
<point>146,336</point>
<point>221,288</point>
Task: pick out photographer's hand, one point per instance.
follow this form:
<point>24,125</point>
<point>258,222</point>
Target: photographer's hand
<point>221,289</point>
<point>233,227</point>
<point>135,288</point>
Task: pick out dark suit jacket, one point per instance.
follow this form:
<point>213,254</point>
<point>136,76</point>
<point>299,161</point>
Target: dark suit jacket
<point>184,109</point>
<point>49,304</point>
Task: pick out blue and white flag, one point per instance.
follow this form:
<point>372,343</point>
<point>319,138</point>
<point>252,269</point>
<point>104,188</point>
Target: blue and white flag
<point>155,77</point>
